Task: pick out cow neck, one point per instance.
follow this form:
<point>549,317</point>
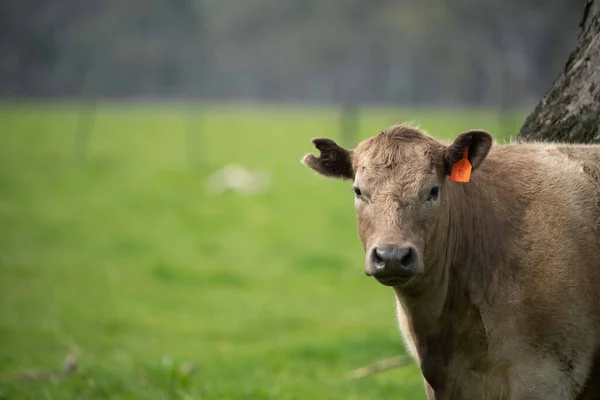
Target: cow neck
<point>481,219</point>
<point>465,258</point>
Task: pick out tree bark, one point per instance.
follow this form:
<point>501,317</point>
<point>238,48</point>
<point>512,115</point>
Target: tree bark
<point>570,111</point>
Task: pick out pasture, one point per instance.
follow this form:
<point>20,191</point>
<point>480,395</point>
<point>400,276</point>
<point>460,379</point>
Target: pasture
<point>163,290</point>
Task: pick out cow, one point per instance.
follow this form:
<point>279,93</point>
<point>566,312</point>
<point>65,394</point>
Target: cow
<point>492,251</point>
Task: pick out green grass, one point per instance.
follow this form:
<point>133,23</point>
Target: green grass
<point>127,261</point>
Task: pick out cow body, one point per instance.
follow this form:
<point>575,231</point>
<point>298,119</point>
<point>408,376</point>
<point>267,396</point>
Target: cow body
<point>501,300</point>
<point>523,320</point>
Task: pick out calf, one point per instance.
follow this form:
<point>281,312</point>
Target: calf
<point>493,252</point>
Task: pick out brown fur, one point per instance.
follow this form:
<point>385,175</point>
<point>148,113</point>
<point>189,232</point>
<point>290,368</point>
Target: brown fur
<point>506,304</point>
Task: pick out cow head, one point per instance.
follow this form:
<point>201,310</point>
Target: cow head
<point>399,179</point>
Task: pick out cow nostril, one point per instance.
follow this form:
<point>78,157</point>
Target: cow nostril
<point>377,257</point>
<point>408,258</point>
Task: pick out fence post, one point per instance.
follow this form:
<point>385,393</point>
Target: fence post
<point>349,124</point>
<point>193,136</point>
<point>85,126</point>
<point>87,111</point>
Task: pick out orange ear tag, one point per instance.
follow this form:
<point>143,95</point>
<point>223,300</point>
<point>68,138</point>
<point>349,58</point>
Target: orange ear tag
<point>461,170</point>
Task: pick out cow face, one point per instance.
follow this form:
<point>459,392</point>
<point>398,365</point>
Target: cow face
<point>399,180</point>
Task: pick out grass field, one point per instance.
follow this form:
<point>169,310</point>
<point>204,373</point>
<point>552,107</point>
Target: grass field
<point>127,262</point>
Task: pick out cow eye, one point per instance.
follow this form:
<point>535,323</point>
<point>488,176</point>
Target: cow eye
<point>357,191</point>
<point>433,195</point>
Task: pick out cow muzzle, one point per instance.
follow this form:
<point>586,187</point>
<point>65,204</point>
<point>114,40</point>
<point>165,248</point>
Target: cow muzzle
<point>392,265</point>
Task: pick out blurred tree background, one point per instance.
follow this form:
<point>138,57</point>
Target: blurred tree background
<point>473,53</point>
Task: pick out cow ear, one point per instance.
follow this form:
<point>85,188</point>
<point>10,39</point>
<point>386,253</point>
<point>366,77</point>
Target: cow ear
<point>477,142</point>
<point>334,161</point>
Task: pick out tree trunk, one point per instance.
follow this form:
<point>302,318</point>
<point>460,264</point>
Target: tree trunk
<point>570,111</point>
